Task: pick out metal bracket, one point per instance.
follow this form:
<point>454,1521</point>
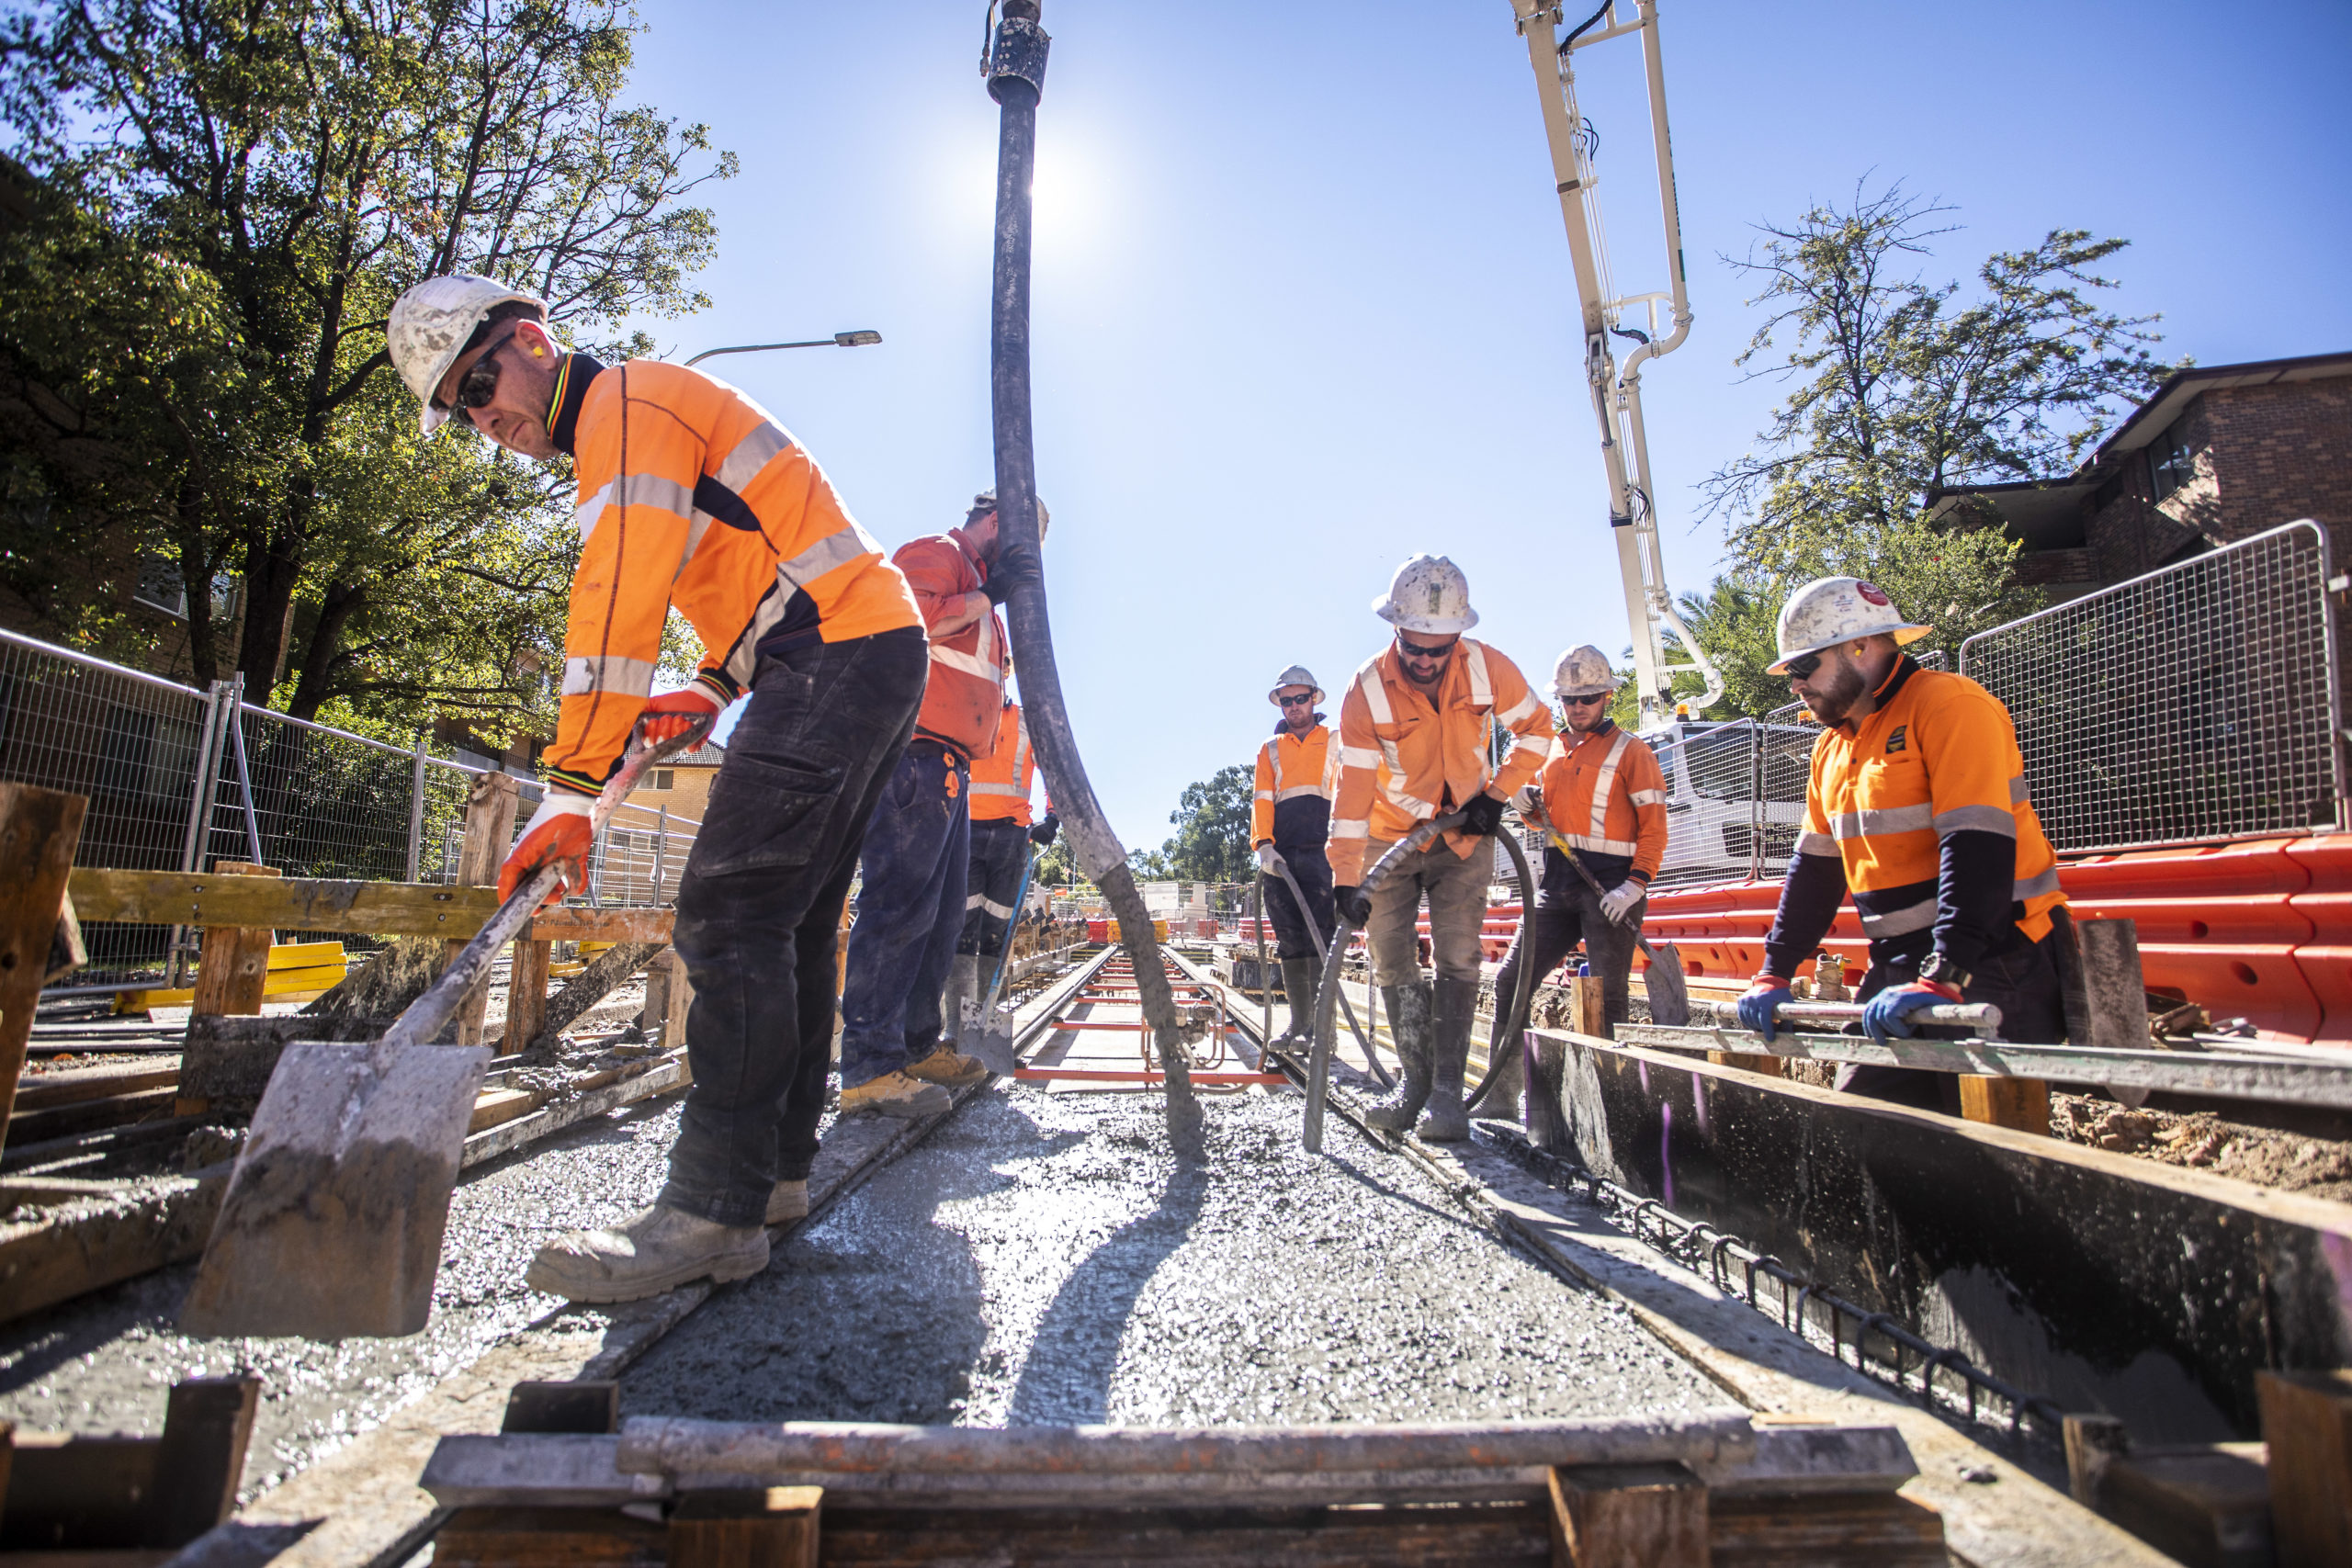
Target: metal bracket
<point>1018,55</point>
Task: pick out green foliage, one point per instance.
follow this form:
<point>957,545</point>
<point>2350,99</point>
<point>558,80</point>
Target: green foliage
<point>1212,842</point>
<point>1900,388</point>
<point>227,197</point>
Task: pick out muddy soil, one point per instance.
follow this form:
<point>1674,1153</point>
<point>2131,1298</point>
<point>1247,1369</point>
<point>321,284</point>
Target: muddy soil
<point>2287,1161</point>
<point>104,1363</point>
<point>1042,1260</point>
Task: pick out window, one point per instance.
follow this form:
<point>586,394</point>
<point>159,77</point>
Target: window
<point>2172,462</point>
<point>160,587</point>
<point>661,778</point>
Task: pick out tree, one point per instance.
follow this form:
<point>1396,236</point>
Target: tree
<point>1212,842</point>
<point>1901,386</point>
<point>269,176</point>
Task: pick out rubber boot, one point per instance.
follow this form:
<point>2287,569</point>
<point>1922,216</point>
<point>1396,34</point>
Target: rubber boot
<point>1300,978</point>
<point>1445,1122</point>
<point>1408,1025</point>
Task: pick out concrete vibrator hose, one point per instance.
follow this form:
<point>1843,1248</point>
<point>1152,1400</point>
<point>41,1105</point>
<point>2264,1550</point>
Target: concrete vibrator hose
<point>1016,68</point>
<point>1306,917</point>
<point>1318,1066</point>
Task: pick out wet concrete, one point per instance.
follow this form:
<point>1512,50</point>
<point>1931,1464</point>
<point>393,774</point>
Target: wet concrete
<point>1041,1258</point>
<point>104,1362</point>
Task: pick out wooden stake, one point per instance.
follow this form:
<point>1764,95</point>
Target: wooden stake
<point>208,1424</point>
<point>1588,1014</point>
<point>233,970</point>
<point>2022,1104</point>
<point>2093,1442</point>
<point>2114,993</point>
<point>1628,1515</point>
<point>757,1527</point>
<point>39,828</point>
<point>1754,1062</point>
<point>489,833</point>
<point>526,993</point>
<point>2307,1422</point>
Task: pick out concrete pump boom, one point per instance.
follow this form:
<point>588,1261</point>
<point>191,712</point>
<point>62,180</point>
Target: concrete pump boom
<point>1617,392</point>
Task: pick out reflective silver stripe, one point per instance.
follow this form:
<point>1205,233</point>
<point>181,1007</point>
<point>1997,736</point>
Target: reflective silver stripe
<point>1648,796</point>
<point>1601,783</point>
<point>1482,686</point>
<point>1376,692</point>
<point>1013,790</point>
<point>2017,792</point>
<point>836,549</point>
<point>1359,757</point>
<point>1812,843</point>
<point>1894,819</point>
<point>584,518</point>
<point>630,677</point>
<point>757,449</point>
<point>1265,794</point>
<point>1602,846</point>
<point>975,901</point>
<point>1296,791</point>
<point>1896,923</point>
<point>1525,705</point>
<point>1977,819</point>
<point>2035,886</point>
<point>1273,766</point>
<point>1343,828</point>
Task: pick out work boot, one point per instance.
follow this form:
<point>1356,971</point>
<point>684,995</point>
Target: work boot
<point>1445,1122</point>
<point>656,1251</point>
<point>1408,1025</point>
<point>896,1094</point>
<point>1300,978</point>
<point>963,986</point>
<point>788,1201</point>
<point>947,1067</point>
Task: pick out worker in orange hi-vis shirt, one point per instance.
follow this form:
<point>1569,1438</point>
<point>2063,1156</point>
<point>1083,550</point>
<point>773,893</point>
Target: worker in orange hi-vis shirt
<point>692,497</point>
<point>1414,733</point>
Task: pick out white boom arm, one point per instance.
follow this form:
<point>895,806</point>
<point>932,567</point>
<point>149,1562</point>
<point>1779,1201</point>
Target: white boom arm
<point>1617,393</point>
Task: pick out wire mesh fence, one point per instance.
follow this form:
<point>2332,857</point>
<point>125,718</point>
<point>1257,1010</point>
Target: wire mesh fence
<point>2194,704</point>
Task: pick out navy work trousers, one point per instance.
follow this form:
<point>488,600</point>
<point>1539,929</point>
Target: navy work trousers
<point>909,912</point>
<point>999,849</point>
<point>1313,874</point>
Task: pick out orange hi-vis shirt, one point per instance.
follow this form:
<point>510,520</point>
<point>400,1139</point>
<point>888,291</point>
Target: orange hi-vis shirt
<point>1604,793</point>
<point>1295,768</point>
<point>1404,759</point>
<point>1939,758</point>
<point>1001,780</point>
<point>692,495</point>
<point>961,704</point>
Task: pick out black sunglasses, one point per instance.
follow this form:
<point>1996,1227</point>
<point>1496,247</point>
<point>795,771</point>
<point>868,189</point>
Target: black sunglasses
<point>1305,702</point>
<point>1415,650</point>
<point>1584,701</point>
<point>1802,667</point>
<point>479,383</point>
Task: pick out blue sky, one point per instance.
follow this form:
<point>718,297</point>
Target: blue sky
<point>1303,301</point>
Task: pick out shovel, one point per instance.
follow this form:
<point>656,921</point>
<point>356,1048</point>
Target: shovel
<point>1669,994</point>
<point>987,1028</point>
<point>332,1224</point>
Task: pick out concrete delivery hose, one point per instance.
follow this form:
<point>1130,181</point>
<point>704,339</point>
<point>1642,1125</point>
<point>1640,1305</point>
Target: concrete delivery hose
<point>1306,917</point>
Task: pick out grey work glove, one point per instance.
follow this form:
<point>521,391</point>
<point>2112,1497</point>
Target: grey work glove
<point>1618,903</point>
<point>1267,861</point>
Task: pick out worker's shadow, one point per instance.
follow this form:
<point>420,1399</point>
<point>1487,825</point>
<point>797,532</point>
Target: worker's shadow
<point>1066,1381</point>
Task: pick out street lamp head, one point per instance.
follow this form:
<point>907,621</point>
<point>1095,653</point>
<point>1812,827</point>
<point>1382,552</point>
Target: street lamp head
<point>856,340</point>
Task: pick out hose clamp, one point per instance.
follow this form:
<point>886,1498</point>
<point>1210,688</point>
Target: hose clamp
<point>1018,55</point>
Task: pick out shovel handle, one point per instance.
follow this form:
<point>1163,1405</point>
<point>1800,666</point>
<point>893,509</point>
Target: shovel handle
<point>439,1004</point>
<point>1966,1015</point>
<point>1590,880</point>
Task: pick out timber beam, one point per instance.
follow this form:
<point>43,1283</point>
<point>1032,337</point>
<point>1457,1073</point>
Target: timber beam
<point>315,904</point>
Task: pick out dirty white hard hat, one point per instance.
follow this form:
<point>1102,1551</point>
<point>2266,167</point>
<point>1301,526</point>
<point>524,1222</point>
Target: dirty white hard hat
<point>1834,610</point>
<point>985,502</point>
<point>1429,594</point>
<point>1296,675</point>
<point>430,326</point>
<point>1583,673</point>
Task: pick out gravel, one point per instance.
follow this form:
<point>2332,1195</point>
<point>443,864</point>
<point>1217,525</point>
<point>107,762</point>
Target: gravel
<point>1042,1260</point>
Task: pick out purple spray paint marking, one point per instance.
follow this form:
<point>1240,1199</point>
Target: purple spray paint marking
<point>1666,1148</point>
<point>2337,1250</point>
<point>1699,1103</point>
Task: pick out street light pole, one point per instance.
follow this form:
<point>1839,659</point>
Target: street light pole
<point>839,340</point>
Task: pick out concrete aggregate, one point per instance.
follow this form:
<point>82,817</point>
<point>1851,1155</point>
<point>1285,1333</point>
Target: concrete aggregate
<point>1042,1260</point>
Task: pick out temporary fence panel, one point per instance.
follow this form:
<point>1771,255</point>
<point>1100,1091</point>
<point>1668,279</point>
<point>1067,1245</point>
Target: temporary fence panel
<point>2195,703</point>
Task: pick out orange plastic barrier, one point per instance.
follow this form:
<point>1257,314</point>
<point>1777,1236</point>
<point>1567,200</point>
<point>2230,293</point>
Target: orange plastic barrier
<point>2325,960</point>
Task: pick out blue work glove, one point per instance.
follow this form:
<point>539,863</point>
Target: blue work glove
<point>1889,1012</point>
<point>1764,993</point>
<point>1353,903</point>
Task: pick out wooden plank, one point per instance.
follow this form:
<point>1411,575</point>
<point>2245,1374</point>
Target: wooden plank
<point>208,1424</point>
<point>77,1493</point>
<point>1745,1062</point>
<point>527,994</point>
<point>2307,1422</point>
<point>90,1115</point>
<point>2093,1442</point>
<point>1840,1530</point>
<point>2205,1504</point>
<point>234,962</point>
<point>309,956</point>
<point>1628,1515</point>
<point>607,972</point>
<point>548,1538</point>
<point>361,909</point>
<point>602,925</point>
<point>1587,1012</point>
<point>2022,1104</point>
<point>490,831</point>
<point>39,828</point>
<point>1477,1535</point>
<point>667,1074</point>
<point>2114,992</point>
<point>754,1527</point>
<point>76,1085</point>
<point>494,1106</point>
<point>43,1262</point>
<point>592,1405</point>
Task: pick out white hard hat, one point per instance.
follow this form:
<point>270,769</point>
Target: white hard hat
<point>1296,675</point>
<point>1583,673</point>
<point>1429,594</point>
<point>1834,610</point>
<point>429,328</point>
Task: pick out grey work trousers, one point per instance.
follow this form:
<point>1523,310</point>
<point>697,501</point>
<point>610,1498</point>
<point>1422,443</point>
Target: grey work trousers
<point>1456,889</point>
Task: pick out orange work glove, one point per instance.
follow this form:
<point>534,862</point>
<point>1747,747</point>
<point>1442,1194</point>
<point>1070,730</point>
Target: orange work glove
<point>672,712</point>
<point>558,835</point>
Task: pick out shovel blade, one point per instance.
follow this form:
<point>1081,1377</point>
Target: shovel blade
<point>1669,992</point>
<point>988,1041</point>
<point>332,1225</point>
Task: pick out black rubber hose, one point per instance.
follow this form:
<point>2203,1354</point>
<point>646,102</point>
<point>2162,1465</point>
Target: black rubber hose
<point>1371,1056</point>
<point>1523,995</point>
<point>1017,78</point>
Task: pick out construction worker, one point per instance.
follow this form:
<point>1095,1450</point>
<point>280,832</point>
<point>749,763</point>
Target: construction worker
<point>1414,731</point>
<point>910,908</point>
<point>692,496</point>
<point>1917,808</point>
<point>1290,820</point>
<point>1002,839</point>
<point>1603,793</point>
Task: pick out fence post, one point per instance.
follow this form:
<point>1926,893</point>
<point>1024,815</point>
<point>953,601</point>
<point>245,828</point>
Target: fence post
<point>660,856</point>
<point>1758,814</point>
<point>416,810</point>
<point>245,769</point>
<point>199,816</point>
<point>490,830</point>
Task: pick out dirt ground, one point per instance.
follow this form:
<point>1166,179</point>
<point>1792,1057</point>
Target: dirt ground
<point>2289,1161</point>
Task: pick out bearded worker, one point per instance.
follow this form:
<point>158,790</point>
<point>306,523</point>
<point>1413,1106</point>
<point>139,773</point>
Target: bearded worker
<point>692,496</point>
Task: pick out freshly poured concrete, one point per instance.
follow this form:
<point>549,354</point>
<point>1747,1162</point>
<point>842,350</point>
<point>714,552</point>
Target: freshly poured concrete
<point>1042,1260</point>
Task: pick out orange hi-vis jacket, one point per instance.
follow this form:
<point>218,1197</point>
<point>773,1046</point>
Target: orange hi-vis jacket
<point>1404,759</point>
<point>961,704</point>
<point>1604,793</point>
<point>1001,779</point>
<point>1939,758</point>
<point>692,495</point>
<point>1293,768</point>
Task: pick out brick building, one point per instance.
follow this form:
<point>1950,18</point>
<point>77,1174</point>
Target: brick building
<point>2220,453</point>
